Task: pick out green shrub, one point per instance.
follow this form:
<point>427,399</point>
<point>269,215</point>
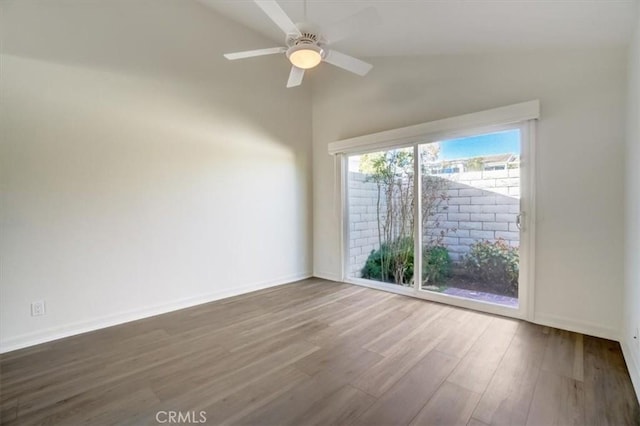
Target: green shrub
<point>373,266</point>
<point>494,262</point>
<point>436,264</point>
<point>394,263</point>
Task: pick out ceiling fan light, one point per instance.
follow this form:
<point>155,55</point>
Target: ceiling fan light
<point>305,56</point>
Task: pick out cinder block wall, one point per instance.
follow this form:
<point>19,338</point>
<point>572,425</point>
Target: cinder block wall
<point>363,221</point>
<point>480,206</point>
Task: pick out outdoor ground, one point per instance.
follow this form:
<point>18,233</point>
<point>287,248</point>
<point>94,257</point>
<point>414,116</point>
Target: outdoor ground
<point>461,285</point>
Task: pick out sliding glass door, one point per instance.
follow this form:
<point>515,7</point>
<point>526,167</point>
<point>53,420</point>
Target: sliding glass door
<point>470,212</point>
<point>441,220</point>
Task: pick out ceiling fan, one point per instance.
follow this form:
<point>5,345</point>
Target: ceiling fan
<point>306,47</point>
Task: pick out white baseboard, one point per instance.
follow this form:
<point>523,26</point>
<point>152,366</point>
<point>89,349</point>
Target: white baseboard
<point>633,366</point>
<point>327,276</point>
<point>68,330</point>
<point>568,324</point>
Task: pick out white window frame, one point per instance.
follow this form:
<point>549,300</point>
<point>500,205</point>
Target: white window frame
<point>521,116</point>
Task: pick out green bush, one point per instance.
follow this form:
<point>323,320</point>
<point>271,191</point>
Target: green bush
<point>495,263</point>
<point>394,263</point>
<point>391,262</point>
<point>373,266</point>
<point>436,264</point>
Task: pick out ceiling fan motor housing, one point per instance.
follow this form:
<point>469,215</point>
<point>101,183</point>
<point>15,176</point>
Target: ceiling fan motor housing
<point>308,42</point>
<point>309,34</point>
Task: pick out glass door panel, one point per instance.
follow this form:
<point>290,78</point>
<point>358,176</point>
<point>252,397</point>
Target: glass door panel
<point>470,212</point>
<point>380,207</point>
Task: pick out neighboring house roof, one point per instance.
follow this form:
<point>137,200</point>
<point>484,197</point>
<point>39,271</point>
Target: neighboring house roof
<point>500,158</point>
<point>496,158</point>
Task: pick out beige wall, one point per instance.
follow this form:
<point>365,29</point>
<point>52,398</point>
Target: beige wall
<point>631,323</point>
<point>579,154</point>
<point>140,170</point>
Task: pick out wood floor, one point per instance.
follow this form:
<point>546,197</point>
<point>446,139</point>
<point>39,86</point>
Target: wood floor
<point>321,353</point>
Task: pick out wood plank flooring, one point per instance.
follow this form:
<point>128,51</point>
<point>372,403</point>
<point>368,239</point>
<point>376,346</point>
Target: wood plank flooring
<point>321,353</point>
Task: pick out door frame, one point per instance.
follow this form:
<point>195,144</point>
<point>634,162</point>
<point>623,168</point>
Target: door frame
<point>526,284</point>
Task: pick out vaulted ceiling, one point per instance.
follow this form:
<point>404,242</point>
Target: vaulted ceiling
<point>451,26</point>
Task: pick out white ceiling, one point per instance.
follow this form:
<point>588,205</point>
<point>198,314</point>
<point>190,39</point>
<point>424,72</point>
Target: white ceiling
<point>452,26</point>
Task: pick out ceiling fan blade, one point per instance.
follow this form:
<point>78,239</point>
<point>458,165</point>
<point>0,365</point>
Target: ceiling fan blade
<point>359,22</point>
<point>347,62</point>
<point>252,53</point>
<point>277,15</point>
<point>295,77</point>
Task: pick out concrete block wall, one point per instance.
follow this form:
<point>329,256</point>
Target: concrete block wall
<point>482,205</point>
<point>363,221</point>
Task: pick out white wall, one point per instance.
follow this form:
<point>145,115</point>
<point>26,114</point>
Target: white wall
<point>631,323</point>
<point>579,153</point>
<point>140,171</point>
<point>136,177</point>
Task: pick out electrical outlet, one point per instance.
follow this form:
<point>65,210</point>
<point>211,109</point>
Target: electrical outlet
<point>37,308</point>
